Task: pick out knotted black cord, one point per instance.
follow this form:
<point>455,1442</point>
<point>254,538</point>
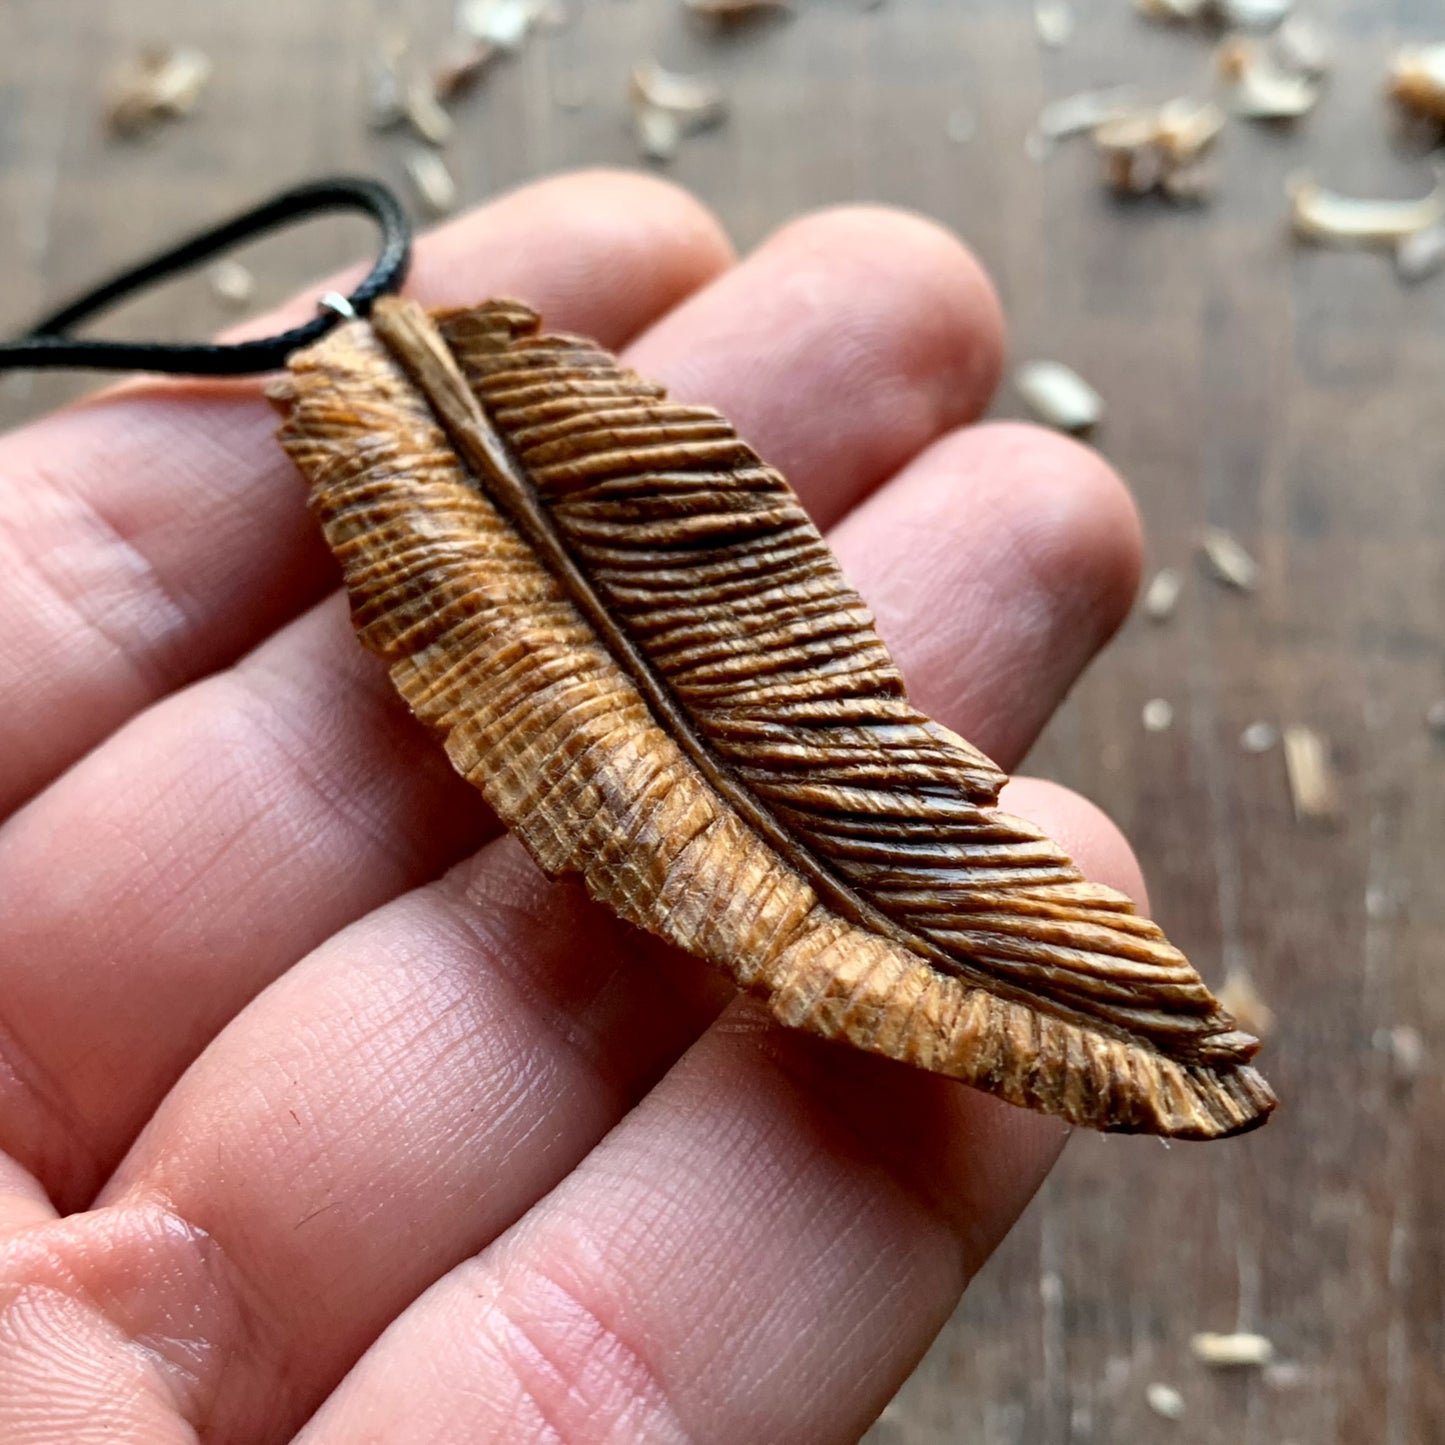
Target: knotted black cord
<point>48,344</point>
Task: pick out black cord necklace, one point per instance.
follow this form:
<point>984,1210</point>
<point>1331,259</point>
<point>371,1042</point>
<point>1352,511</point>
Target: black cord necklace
<point>49,345</point>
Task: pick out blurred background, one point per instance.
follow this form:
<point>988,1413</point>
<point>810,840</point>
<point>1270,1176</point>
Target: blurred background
<point>1290,394</point>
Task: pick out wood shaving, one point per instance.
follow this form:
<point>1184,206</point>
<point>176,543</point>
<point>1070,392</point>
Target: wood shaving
<point>1313,788</point>
<point>1058,396</point>
<point>1318,214</point>
<point>163,82</point>
<point>1260,88</point>
<point>1054,23</point>
<point>1421,255</point>
<point>1435,718</point>
<point>1160,149</point>
<point>1258,737</point>
<point>1234,1351</point>
<point>385,93</point>
<point>1417,80</point>
<point>505,24</point>
<point>667,106</point>
<point>1405,1048</point>
<point>462,63</point>
<point>1174,11</point>
<point>1157,715</point>
<point>1239,997</point>
<point>232,284</point>
<point>1251,14</point>
<point>433,182</point>
<point>1228,561</point>
<point>1077,114</point>
<point>425,114</point>
<point>1165,1401</point>
<point>1300,46</point>
<point>727,12</point>
<point>1161,597</point>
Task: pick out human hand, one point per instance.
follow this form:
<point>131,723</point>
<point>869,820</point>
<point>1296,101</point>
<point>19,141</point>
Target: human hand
<point>298,1139</point>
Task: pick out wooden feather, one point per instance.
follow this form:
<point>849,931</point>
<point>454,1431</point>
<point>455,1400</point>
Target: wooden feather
<point>635,643</point>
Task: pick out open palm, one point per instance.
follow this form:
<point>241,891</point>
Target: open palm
<point>323,1113</point>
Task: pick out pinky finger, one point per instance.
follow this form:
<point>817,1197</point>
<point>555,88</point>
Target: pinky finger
<point>762,1250</point>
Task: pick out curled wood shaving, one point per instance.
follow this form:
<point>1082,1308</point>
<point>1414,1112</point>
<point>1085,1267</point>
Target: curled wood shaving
<point>1162,595</point>
<point>1058,396</point>
<point>385,92</point>
<point>1243,1000</point>
<point>1405,1048</point>
<point>425,114</point>
<point>232,283</point>
<point>1173,11</point>
<point>1165,1401</point>
<point>1251,14</point>
<point>1421,255</point>
<point>1160,149</point>
<point>505,24</point>
<point>163,82</point>
<point>1158,715</point>
<point>1228,561</point>
<point>1260,88</point>
<point>724,752</point>
<point>727,12</point>
<point>1054,22</point>
<point>1313,787</point>
<point>1323,215</point>
<point>1300,46</point>
<point>1258,737</point>
<point>1234,1351</point>
<point>1417,80</point>
<point>461,65</point>
<point>1077,114</point>
<point>433,182</point>
<point>1435,717</point>
<point>666,106</point>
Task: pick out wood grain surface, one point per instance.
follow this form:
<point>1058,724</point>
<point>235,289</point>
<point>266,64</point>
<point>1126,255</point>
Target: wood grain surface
<point>1292,396</point>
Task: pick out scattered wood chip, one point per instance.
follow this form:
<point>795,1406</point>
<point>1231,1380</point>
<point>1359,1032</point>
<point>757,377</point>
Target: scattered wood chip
<point>1158,715</point>
<point>1054,23</point>
<point>162,82</point>
<point>1161,597</point>
<point>503,23</point>
<point>1417,80</point>
<point>962,124</point>
<point>1323,215</point>
<point>1435,717</point>
<point>1160,149</point>
<point>1174,11</point>
<point>1258,737</point>
<point>728,12</point>
<point>1420,255</point>
<point>232,284</point>
<point>1239,997</point>
<point>385,93</point>
<point>1227,560</point>
<point>1165,1401</point>
<point>462,63</point>
<point>425,114</point>
<point>1300,46</point>
<point>1058,396</point>
<point>1232,1351</point>
<point>1314,790</point>
<point>433,182</point>
<point>1284,1375</point>
<point>1077,114</point>
<point>1262,89</point>
<point>1405,1048</point>
<point>1251,14</point>
<point>667,106</point>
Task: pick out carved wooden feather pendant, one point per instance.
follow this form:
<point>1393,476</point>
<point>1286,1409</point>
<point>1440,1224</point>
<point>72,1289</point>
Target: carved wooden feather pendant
<point>634,642</point>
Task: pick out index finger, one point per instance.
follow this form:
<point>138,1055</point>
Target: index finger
<point>155,532</point>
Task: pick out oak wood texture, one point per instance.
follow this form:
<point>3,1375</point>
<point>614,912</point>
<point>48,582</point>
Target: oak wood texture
<point>1292,397</point>
<point>636,644</point>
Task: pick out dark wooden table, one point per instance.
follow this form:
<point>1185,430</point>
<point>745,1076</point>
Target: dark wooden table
<point>1292,396</point>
